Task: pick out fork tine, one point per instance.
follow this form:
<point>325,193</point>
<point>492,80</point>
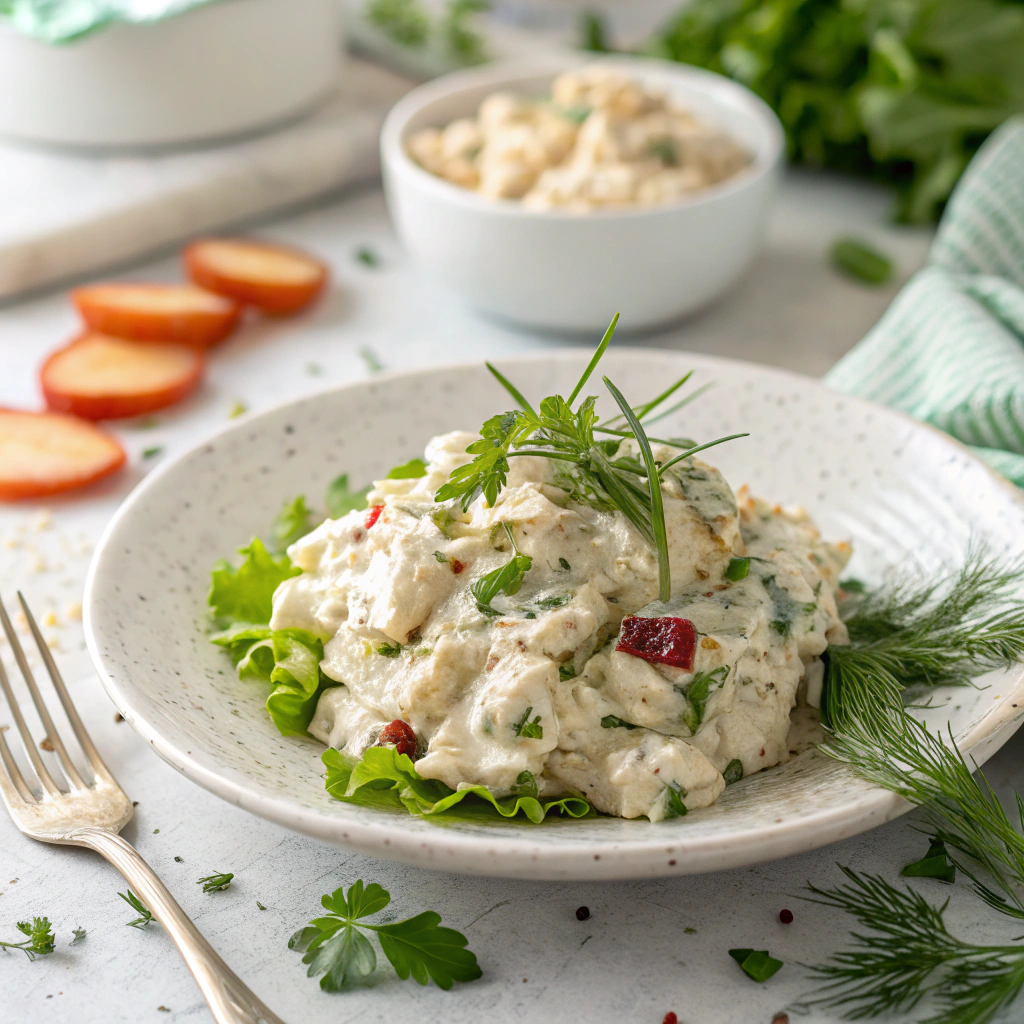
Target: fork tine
<point>70,771</point>
<point>45,779</point>
<point>12,782</point>
<point>77,726</point>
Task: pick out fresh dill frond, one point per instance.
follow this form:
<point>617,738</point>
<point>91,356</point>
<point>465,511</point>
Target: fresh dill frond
<point>594,471</point>
<point>908,954</point>
<point>911,633</point>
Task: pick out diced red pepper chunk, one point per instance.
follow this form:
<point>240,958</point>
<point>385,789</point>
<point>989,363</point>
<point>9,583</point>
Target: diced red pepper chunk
<point>665,640</point>
<point>400,735</point>
<point>373,515</point>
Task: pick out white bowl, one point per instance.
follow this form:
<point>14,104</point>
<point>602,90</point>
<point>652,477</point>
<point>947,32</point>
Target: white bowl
<point>906,494</point>
<point>219,70</point>
<point>572,271</point>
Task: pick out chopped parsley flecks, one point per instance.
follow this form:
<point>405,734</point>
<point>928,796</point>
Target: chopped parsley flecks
<point>756,963</point>
<point>737,569</point>
<point>529,730</point>
<point>614,722</point>
<point>934,864</point>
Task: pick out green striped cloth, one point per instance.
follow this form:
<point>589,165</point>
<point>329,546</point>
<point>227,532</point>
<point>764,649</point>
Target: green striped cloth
<point>950,349</point>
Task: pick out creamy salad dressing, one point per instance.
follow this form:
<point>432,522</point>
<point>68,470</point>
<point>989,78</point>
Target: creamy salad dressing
<point>405,638</point>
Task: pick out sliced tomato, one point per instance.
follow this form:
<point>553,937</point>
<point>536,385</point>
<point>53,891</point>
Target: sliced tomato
<point>43,453</point>
<point>275,279</point>
<point>158,312</point>
<point>103,378</point>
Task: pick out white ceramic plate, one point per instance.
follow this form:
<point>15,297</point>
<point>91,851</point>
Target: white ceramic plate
<point>904,493</point>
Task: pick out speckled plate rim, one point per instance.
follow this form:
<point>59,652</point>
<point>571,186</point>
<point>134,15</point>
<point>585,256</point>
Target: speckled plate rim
<point>515,857</point>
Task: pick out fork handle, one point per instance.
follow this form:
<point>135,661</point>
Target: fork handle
<point>230,1000</point>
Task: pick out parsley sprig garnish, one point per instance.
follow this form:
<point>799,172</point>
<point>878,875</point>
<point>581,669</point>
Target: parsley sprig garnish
<point>590,468</point>
<point>40,939</point>
<point>336,947</point>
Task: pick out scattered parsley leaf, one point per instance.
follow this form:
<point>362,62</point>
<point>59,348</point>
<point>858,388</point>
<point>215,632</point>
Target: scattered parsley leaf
<point>215,883</point>
<point>365,255</point>
<point>341,499</point>
<point>527,729</point>
<point>934,864</point>
<point>78,934</point>
<point>564,563</point>
<point>410,470</point>
<point>566,671</point>
<point>860,261</point>
<point>153,451</point>
<point>139,907</point>
<point>525,785</point>
<point>40,941</point>
<point>698,692</point>
<point>369,357</point>
<point>576,114</point>
<point>733,771</point>
<point>259,906</point>
<point>337,947</point>
<point>664,149</point>
<point>388,650</point>
<point>593,33</point>
<point>292,522</point>
<point>737,569</point>
<point>674,805</point>
<point>756,963</point>
<point>179,860</point>
<point>441,556</point>
<point>237,409</point>
<point>614,722</point>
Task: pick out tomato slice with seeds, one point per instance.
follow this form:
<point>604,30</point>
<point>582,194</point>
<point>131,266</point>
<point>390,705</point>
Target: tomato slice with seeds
<point>664,640</point>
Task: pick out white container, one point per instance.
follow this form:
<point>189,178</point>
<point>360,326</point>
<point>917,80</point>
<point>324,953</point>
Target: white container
<point>219,70</point>
<point>571,271</point>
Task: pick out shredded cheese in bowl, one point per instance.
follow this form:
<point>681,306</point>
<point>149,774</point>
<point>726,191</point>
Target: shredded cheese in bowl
<point>601,139</point>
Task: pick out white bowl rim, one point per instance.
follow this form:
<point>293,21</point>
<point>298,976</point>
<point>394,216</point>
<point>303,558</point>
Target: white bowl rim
<point>508,72</point>
<point>523,858</point>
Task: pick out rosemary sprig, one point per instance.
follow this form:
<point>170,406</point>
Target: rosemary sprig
<point>590,469</point>
<point>910,954</point>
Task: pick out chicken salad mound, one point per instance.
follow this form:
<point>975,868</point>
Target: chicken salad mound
<point>524,637</point>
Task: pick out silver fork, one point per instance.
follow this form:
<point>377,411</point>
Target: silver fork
<point>91,814</point>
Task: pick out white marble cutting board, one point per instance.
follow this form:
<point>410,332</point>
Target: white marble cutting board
<point>64,213</point>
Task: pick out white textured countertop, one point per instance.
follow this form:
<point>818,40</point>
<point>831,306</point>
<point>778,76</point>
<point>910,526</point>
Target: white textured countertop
<point>635,958</point>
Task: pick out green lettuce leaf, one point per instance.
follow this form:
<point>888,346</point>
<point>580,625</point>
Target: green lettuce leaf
<point>244,594</point>
<point>287,659</point>
<point>385,778</point>
<point>293,522</point>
